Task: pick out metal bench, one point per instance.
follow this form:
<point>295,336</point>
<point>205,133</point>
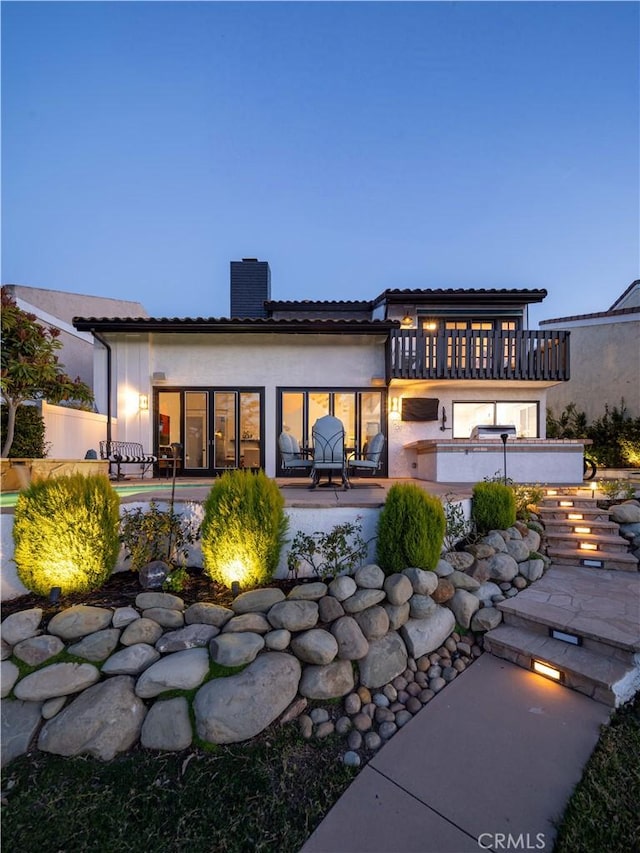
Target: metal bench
<point>125,453</point>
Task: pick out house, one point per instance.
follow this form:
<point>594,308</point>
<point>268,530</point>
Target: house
<point>424,367</point>
<point>57,308</point>
<point>605,355</point>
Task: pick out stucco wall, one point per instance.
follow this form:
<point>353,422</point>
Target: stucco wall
<point>238,360</point>
<point>605,366</point>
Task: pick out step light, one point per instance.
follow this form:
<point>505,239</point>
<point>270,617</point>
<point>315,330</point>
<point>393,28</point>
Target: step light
<point>592,564</point>
<point>548,671</point>
<point>582,530</point>
<point>575,516</point>
<point>588,546</point>
<point>573,639</point>
<point>565,503</point>
<point>552,492</point>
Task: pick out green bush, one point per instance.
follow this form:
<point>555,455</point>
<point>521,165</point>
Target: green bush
<point>330,554</point>
<point>615,435</point>
<point>66,533</point>
<point>243,529</point>
<point>411,529</point>
<point>493,506</point>
<point>28,440</point>
<point>527,498</point>
<point>156,534</point>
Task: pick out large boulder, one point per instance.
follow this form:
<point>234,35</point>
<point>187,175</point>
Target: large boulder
<point>236,708</point>
<point>80,620</point>
<point>57,679</point>
<point>19,723</point>
<point>20,626</point>
<point>294,615</point>
<point>327,682</point>
<point>178,671</point>
<point>422,636</point>
<point>104,720</point>
<point>386,658</point>
<point>464,604</point>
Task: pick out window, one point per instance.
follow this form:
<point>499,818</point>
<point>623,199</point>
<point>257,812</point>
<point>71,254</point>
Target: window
<point>522,414</point>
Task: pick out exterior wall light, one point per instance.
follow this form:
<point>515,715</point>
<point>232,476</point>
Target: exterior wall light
<point>143,402</point>
<point>394,410</point>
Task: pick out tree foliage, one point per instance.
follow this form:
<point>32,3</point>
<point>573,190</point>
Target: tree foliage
<point>615,436</point>
<point>30,369</point>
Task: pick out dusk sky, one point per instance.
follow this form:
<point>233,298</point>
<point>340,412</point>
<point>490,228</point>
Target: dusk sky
<point>354,146</point>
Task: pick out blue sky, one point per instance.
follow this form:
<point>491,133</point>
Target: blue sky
<point>355,146</point>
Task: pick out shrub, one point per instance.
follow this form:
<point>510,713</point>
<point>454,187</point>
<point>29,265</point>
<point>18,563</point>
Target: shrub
<point>458,528</point>
<point>66,533</point>
<point>527,498</point>
<point>617,490</point>
<point>243,528</point>
<point>156,534</point>
<point>411,529</point>
<point>340,550</point>
<point>28,440</point>
<point>493,506</point>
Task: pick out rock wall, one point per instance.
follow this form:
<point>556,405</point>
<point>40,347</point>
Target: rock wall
<point>98,680</point>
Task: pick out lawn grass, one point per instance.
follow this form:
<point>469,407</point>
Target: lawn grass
<point>603,814</point>
<point>268,794</point>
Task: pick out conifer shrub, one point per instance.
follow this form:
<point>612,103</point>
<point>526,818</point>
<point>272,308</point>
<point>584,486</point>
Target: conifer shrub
<point>29,438</point>
<point>411,529</point>
<point>65,533</point>
<point>243,529</point>
<point>493,506</point>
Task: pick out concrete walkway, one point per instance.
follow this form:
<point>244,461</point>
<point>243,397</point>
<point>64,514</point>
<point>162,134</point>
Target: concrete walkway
<point>497,752</point>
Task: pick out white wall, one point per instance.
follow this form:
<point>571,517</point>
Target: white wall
<point>69,433</point>
<point>236,360</point>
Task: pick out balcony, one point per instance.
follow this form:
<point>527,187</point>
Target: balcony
<point>528,355</point>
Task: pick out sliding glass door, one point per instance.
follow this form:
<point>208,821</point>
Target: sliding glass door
<point>216,429</point>
<point>361,412</point>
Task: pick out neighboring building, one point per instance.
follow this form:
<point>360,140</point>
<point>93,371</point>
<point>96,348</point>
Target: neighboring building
<point>605,358</point>
<point>57,308</point>
<point>418,365</point>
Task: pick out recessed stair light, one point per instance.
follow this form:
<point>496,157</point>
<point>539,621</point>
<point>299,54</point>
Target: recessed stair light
<point>543,668</point>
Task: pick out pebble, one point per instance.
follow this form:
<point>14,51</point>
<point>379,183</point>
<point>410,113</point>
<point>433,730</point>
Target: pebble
<point>403,717</point>
<point>387,730</point>
<point>372,741</point>
<point>413,705</point>
<point>436,684</point>
<point>343,725</point>
<point>362,722</point>
<point>319,715</point>
<point>381,700</point>
<point>354,740</point>
<point>306,726</point>
<point>325,729</point>
<point>351,759</point>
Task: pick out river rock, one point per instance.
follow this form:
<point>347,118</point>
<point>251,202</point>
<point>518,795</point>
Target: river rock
<point>627,512</point>
<point>256,623</point>
<point>486,619</point>
<point>104,721</point>
<point>178,671</point>
<point>78,621</point>
<point>294,615</point>
<point>329,609</point>
<point>532,570</point>
<point>444,591</point>
<point>461,580</point>
<point>164,617</point>
<point>374,622</point>
<point>192,637</point>
<point>236,708</point>
<point>444,568</point>
<point>123,616</point>
<point>309,591</point>
<point>502,568</point>
<point>277,640</point>
<point>482,550</point>
<point>398,588</point>
<point>464,604</point>
<point>96,647</point>
<point>315,646</point>
<point>236,649</point>
<point>342,587</point>
<point>205,613</point>
<point>487,590</point>
<point>256,601</point>
<point>423,582</point>
<point>423,636</point>
<point>327,682</point>
<point>164,600</point>
<point>131,660</point>
<point>352,644</point>
<point>519,549</point>
<point>19,722</point>
<point>141,631</point>
<point>532,540</point>
<point>57,679</point>
<point>167,725</point>
<point>154,574</point>
<point>386,658</point>
<point>494,540</point>
<point>369,577</point>
<point>37,650</point>
<point>397,613</point>
<point>421,606</point>
<point>460,560</point>
<point>362,599</point>
<point>9,674</point>
<point>21,626</point>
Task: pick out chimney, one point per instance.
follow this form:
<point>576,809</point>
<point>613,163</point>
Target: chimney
<point>250,287</point>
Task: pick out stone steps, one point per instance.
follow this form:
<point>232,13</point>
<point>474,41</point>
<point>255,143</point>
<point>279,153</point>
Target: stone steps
<point>581,617</point>
<point>601,546</point>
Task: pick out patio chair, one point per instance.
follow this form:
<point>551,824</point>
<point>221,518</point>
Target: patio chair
<point>371,458</point>
<point>291,456</point>
<point>328,450</point>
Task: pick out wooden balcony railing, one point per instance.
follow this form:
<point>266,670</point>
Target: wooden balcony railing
<point>531,355</point>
